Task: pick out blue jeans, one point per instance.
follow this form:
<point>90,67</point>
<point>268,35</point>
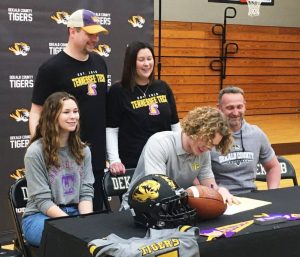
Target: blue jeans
<point>33,225</point>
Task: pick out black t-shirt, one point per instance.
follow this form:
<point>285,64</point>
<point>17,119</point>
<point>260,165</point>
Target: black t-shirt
<point>138,116</point>
<point>87,81</point>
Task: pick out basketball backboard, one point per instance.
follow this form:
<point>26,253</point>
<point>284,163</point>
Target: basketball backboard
<point>264,2</point>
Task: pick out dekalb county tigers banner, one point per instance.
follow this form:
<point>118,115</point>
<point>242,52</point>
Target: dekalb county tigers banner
<point>33,31</point>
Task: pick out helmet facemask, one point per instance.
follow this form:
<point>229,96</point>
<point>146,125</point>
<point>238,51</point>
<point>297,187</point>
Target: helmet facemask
<point>168,207</point>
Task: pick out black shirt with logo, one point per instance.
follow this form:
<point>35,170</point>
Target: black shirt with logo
<point>138,115</point>
<point>87,81</point>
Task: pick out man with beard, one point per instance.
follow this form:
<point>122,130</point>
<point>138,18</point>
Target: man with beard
<point>82,73</point>
<point>237,170</point>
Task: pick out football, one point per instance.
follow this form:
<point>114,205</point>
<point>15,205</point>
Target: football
<point>208,202</point>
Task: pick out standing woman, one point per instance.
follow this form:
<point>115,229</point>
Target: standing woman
<point>58,167</point>
<point>138,107</point>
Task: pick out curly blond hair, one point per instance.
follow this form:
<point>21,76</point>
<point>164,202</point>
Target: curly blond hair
<point>204,123</point>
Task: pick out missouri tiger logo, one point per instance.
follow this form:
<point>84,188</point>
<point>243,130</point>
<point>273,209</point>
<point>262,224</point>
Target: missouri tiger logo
<point>137,21</point>
<point>60,17</point>
<point>19,173</point>
<point>20,48</point>
<point>20,115</point>
<point>103,50</point>
<point>146,190</point>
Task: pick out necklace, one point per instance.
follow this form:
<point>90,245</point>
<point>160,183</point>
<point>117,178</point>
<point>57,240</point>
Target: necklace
<point>143,92</point>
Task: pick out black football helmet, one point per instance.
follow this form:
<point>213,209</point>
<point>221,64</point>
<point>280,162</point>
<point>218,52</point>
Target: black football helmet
<point>156,201</point>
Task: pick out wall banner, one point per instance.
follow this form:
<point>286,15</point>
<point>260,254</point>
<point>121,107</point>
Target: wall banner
<point>33,31</point>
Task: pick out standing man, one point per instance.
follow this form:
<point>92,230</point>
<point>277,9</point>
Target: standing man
<point>184,155</point>
<point>83,74</point>
<point>237,170</point>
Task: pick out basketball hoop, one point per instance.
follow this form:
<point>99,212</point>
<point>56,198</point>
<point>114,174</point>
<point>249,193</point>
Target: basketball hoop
<point>253,7</point>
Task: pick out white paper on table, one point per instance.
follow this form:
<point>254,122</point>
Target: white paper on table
<point>245,205</point>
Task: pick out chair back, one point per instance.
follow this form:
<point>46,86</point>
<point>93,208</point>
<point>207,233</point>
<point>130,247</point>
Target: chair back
<point>287,171</point>
<point>17,198</point>
<point>116,185</point>
<point>18,194</point>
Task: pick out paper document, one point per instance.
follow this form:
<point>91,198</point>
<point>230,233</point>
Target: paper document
<point>245,205</point>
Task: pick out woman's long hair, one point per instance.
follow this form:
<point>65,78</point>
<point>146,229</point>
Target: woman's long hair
<point>129,67</point>
<point>48,131</point>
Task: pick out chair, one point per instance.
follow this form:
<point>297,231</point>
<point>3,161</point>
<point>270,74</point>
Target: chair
<point>17,199</point>
<point>115,185</point>
<point>287,171</point>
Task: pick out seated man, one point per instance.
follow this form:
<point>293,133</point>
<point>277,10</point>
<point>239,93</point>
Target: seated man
<point>184,156</point>
<point>237,170</point>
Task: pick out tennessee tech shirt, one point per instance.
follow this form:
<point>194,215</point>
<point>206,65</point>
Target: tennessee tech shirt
<point>139,114</point>
<point>86,80</point>
<point>181,241</point>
